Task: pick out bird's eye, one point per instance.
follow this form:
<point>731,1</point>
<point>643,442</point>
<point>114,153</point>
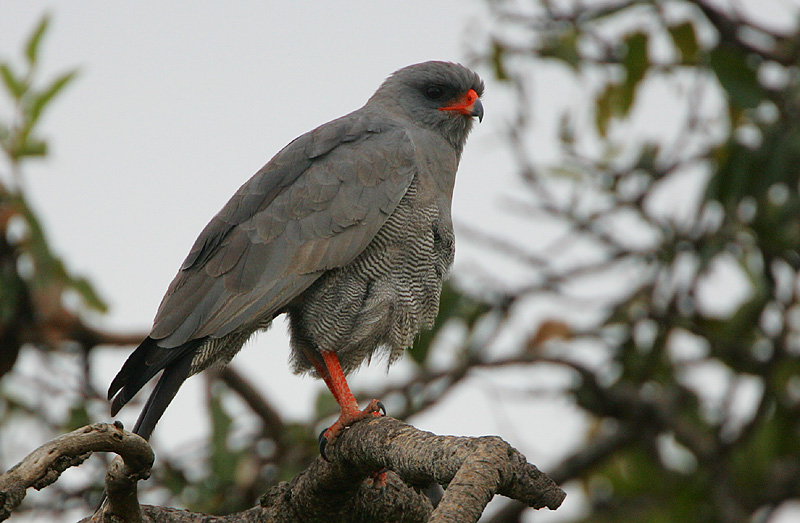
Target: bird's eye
<point>434,92</point>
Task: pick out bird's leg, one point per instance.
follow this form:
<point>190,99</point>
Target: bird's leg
<point>331,372</point>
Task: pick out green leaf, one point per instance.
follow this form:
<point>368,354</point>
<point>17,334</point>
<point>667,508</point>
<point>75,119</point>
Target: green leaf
<point>49,268</point>
<point>647,156</point>
<point>28,149</point>
<point>41,99</point>
<point>32,46</point>
<point>566,129</point>
<point>78,417</point>
<point>616,100</point>
<point>744,172</point>
<point>325,404</point>
<point>221,423</point>
<point>16,87</point>
<point>604,108</point>
<point>498,61</point>
<point>636,60</point>
<point>564,48</point>
<point>11,291</point>
<point>636,63</point>
<point>737,77</point>
<point>685,39</point>
<point>90,297</point>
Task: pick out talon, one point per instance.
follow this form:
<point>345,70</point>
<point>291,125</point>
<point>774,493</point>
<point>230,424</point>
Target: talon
<point>323,442</point>
<point>376,408</point>
<point>379,479</point>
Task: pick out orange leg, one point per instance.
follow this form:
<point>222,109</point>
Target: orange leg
<point>331,372</point>
<point>322,370</point>
<point>337,383</point>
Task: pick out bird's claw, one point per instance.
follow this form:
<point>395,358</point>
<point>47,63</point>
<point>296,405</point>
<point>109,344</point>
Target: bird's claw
<point>322,441</point>
<point>375,408</point>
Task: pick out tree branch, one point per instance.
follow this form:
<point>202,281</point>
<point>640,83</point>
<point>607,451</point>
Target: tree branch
<point>473,469</point>
<point>343,490</point>
<point>270,417</point>
<point>43,466</point>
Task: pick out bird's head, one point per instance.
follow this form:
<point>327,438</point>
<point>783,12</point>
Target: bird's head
<point>438,95</point>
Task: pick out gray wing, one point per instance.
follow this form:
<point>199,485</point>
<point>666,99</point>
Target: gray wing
<point>315,206</point>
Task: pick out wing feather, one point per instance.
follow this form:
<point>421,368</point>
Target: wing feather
<point>313,207</point>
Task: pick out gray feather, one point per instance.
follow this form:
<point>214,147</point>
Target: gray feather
<point>257,248</point>
<point>347,230</point>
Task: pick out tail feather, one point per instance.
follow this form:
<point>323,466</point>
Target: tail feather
<point>143,364</point>
<point>163,393</point>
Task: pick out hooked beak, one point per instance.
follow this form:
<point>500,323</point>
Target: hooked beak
<point>469,105</point>
<point>477,110</point>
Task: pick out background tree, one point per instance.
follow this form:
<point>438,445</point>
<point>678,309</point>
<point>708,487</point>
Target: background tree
<point>49,312</point>
<point>43,305</point>
<point>662,239</point>
<point>676,206</point>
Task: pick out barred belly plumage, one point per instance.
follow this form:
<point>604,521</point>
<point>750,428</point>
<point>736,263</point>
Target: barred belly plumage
<point>381,300</point>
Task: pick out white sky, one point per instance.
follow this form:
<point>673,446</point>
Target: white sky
<point>178,103</point>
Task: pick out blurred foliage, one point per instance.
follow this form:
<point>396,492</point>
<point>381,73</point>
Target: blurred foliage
<point>42,303</point>
<point>699,341</point>
<point>677,196</point>
<point>33,279</point>
<point>17,137</point>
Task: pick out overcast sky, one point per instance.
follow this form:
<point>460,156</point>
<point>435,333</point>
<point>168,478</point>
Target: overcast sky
<point>178,103</point>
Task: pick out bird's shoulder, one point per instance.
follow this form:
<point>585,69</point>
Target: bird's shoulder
<point>315,206</point>
<point>308,174</point>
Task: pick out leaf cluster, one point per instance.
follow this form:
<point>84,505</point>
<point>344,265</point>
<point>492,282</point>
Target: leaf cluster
<point>18,139</point>
<point>35,282</point>
<point>713,192</point>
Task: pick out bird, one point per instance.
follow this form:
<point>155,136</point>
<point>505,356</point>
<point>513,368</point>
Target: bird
<point>347,230</point>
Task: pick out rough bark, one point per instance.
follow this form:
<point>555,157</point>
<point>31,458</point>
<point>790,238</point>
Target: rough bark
<point>473,470</point>
<point>43,466</point>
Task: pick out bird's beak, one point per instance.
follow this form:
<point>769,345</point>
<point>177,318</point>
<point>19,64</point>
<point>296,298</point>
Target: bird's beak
<point>477,110</point>
<point>469,105</point>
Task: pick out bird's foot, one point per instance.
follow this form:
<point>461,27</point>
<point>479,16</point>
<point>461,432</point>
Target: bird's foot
<point>379,479</point>
<point>347,418</point>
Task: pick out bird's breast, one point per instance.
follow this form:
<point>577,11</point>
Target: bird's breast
<point>382,299</point>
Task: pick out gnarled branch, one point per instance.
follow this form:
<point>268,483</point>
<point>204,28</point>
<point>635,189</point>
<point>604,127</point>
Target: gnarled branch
<point>473,470</point>
<point>44,465</point>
